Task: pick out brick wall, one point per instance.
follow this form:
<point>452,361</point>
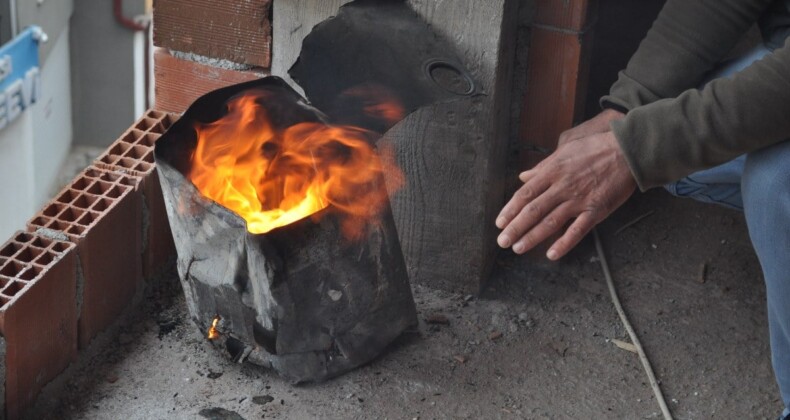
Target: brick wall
<point>203,45</point>
<point>558,64</point>
<point>87,253</point>
<point>81,262</point>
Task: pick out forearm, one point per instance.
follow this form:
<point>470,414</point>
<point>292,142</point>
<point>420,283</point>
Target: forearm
<point>672,138</point>
<point>686,41</point>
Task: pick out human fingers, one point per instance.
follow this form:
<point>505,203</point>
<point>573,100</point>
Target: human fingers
<point>525,194</point>
<point>597,124</point>
<point>527,175</point>
<point>529,215</point>
<point>572,236</point>
<point>547,227</point>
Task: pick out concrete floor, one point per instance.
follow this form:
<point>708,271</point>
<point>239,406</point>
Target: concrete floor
<point>555,359</point>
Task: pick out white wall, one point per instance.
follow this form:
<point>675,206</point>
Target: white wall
<point>51,15</point>
<point>103,72</point>
<point>16,175</point>
<point>34,146</point>
<point>52,135</point>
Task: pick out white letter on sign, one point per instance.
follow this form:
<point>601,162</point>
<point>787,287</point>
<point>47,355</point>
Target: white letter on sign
<point>32,88</point>
<point>3,111</point>
<point>13,97</point>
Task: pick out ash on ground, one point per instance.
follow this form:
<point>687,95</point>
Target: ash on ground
<point>536,345</point>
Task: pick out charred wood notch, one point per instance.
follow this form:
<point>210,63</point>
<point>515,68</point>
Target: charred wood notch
<point>383,45</point>
<point>311,298</point>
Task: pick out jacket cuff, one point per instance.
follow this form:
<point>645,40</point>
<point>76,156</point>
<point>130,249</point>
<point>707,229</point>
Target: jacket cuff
<point>633,153</point>
<point>627,94</point>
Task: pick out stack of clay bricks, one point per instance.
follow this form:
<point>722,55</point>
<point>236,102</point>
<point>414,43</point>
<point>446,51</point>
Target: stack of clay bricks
<point>83,258</point>
<point>204,45</point>
<point>558,66</point>
<point>82,261</point>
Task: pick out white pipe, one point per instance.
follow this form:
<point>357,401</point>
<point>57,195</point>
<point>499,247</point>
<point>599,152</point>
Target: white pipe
<point>12,12</point>
<point>150,69</point>
<point>139,72</point>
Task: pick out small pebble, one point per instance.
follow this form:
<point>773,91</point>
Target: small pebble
<point>437,318</point>
<point>513,327</point>
<point>218,413</point>
<point>262,399</point>
<point>335,295</point>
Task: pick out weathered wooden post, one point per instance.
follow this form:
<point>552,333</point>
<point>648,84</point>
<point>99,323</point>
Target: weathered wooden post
<point>453,154</point>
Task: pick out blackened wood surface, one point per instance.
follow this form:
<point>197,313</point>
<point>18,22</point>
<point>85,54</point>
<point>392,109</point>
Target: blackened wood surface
<point>295,19</point>
<point>454,155</point>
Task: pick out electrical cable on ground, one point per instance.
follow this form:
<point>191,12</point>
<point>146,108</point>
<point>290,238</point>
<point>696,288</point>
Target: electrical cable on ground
<point>627,324</point>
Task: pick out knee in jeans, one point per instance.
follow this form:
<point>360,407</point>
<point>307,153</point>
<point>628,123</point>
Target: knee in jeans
<point>765,176</point>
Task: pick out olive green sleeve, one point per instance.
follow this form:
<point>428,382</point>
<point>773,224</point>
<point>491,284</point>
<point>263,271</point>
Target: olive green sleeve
<point>687,40</point>
<point>671,138</point>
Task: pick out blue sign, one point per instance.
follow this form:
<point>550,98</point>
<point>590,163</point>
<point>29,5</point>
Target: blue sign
<point>20,77</point>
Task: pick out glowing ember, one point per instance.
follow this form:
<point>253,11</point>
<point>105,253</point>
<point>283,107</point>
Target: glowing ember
<point>212,331</point>
<point>273,177</point>
<point>376,102</point>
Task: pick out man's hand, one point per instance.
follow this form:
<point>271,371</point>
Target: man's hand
<point>585,179</point>
<point>596,125</point>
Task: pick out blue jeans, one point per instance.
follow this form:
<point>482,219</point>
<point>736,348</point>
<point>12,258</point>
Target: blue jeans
<point>759,184</point>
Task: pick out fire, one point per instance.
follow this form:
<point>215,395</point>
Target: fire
<point>272,177</point>
<point>212,331</point>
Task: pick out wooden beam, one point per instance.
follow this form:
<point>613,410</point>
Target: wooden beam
<point>454,154</point>
<point>295,20</point>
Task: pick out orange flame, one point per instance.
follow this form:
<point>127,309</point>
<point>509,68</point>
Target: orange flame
<point>212,331</point>
<point>274,177</point>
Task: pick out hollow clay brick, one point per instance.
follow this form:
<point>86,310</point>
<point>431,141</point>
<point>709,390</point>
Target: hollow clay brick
<point>556,86</point>
<point>101,212</point>
<point>38,315</point>
<point>572,15</point>
<point>133,154</point>
<point>181,82</point>
<point>2,377</point>
<point>235,30</point>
